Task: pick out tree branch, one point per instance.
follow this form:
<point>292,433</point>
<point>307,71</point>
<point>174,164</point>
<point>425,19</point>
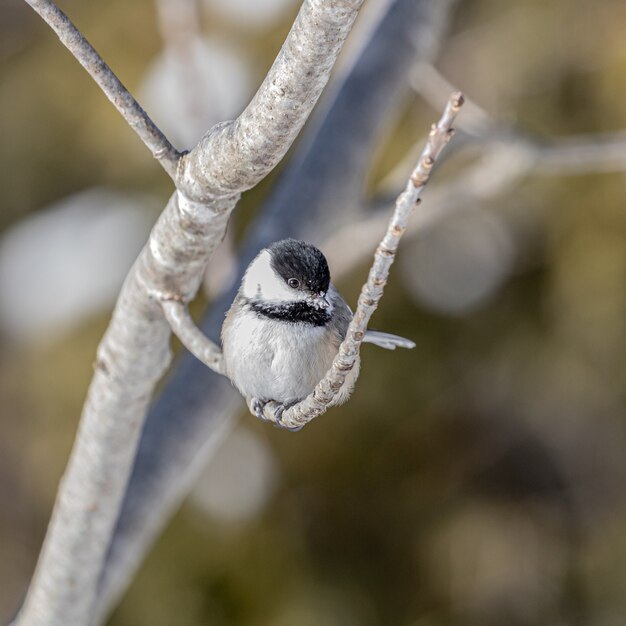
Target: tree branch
<point>134,353</point>
<point>177,316</point>
<point>327,389</point>
<point>235,156</point>
<point>158,144</point>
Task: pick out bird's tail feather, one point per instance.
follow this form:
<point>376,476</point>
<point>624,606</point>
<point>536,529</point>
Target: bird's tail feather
<point>387,340</point>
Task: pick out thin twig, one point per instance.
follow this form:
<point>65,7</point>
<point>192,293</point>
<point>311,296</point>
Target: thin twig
<point>158,144</point>
<point>326,390</point>
<point>183,326</point>
<point>322,396</point>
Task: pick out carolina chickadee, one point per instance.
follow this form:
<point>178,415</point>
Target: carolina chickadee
<point>284,328</point>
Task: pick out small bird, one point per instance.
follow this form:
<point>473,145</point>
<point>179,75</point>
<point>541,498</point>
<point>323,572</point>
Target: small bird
<point>285,326</point>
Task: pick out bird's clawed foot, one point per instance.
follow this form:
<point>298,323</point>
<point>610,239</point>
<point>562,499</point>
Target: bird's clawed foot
<point>257,408</point>
<point>278,419</point>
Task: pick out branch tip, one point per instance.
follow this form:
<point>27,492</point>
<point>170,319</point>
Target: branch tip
<point>457,100</point>
<point>384,251</point>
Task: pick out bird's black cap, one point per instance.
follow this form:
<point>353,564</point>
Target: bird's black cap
<point>291,258</point>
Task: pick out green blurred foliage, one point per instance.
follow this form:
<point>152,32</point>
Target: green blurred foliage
<point>476,480</point>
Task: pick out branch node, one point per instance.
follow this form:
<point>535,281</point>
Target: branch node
<point>167,297</point>
<point>342,367</point>
<point>418,179</point>
<point>384,251</point>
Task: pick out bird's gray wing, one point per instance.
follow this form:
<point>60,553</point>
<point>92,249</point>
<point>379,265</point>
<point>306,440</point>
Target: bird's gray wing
<point>342,314</point>
<point>387,340</point>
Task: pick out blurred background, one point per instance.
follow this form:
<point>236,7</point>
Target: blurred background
<point>476,480</point>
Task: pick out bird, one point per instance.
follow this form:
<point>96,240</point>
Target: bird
<point>285,326</point>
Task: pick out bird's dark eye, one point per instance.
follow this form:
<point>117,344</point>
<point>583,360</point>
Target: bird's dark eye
<point>294,283</point>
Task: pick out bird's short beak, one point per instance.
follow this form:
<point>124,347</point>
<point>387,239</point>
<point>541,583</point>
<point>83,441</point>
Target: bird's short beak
<point>320,301</point>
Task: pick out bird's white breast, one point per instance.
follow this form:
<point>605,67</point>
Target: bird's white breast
<point>274,360</point>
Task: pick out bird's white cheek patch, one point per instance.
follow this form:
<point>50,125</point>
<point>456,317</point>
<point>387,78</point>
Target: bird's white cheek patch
<point>261,281</point>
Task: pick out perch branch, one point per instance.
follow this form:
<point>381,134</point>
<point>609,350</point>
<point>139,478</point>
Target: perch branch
<point>326,390</point>
<point>177,316</point>
<point>158,144</point>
